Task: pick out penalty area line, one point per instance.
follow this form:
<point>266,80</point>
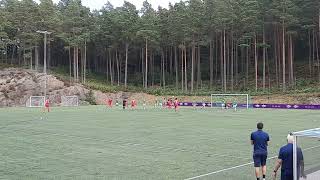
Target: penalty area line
<point>239,166</point>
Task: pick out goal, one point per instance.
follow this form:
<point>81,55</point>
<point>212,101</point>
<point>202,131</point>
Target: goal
<point>69,101</point>
<point>36,101</point>
<point>219,100</point>
<point>306,150</point>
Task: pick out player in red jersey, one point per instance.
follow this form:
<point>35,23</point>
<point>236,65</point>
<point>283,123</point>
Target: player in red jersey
<point>133,104</point>
<point>169,103</point>
<point>110,102</point>
<point>176,104</point>
<point>47,105</point>
<point>107,102</point>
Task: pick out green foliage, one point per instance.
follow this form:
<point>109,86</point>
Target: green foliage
<point>90,98</point>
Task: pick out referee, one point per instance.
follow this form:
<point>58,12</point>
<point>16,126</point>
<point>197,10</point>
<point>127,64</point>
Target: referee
<point>259,140</point>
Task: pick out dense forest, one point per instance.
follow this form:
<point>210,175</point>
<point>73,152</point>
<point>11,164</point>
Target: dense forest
<point>226,45</point>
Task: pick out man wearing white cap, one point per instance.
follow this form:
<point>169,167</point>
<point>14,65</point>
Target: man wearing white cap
<point>285,161</point>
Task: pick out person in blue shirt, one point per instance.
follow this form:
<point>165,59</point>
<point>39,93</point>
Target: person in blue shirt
<point>259,140</point>
<point>285,161</point>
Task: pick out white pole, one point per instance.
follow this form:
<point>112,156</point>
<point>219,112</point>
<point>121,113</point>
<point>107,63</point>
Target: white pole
<point>295,158</point>
<point>45,33</point>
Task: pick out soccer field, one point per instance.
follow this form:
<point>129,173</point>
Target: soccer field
<point>98,143</point>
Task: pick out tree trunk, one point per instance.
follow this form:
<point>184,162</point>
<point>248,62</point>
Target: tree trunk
<point>291,60</point>
<point>142,66</point>
<point>318,60</point>
<point>199,67</point>
<point>211,63</point>
<point>236,58</point>
<point>170,60</point>
<point>268,67</point>
<point>70,64</point>
<point>176,66</point>
<point>217,60</point>
<point>232,63</point>
<point>74,64</point>
<point>313,51</point>
<point>256,61</point>
<point>224,62</point>
<point>310,54</point>
<point>152,67</point>
<point>105,61</point>
<point>85,63</point>
<point>81,62</point>
<point>146,69</point>
<point>36,57</point>
<point>193,51</point>
<point>283,58</point>
<point>110,67</point>
<point>279,48</point>
<point>264,60</point>
<point>185,70</point>
<point>163,57</point>
<point>77,54</point>
<point>31,59</point>
<point>221,61</point>
<point>247,64</point>
<point>23,54</point>
<point>13,52</point>
<point>182,69</point>
<point>126,66</point>
<point>118,68</point>
<point>276,57</point>
<point>49,55</point>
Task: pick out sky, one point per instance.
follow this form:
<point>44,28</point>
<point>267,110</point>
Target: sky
<point>97,4</point>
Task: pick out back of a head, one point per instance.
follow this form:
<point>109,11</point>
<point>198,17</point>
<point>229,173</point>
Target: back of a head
<point>260,125</point>
<point>290,138</point>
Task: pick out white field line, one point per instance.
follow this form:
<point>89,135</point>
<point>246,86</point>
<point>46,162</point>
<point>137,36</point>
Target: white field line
<point>242,165</point>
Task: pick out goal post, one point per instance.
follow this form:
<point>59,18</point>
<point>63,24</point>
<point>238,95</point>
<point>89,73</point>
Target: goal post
<point>306,150</point>
<point>36,101</point>
<point>69,101</point>
<point>241,99</point>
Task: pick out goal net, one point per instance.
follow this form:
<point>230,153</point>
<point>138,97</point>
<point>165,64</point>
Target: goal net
<point>36,101</point>
<point>223,100</point>
<point>69,101</point>
<point>306,159</point>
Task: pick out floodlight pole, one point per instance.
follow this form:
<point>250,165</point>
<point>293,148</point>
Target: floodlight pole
<point>45,33</point>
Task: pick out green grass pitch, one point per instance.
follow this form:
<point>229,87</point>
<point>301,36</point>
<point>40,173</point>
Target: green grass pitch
<point>98,143</point>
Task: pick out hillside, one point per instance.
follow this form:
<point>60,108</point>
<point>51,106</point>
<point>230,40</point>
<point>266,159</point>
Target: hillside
<point>17,85</point>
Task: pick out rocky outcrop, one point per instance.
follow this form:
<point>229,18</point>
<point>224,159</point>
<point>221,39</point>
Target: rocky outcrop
<point>17,85</point>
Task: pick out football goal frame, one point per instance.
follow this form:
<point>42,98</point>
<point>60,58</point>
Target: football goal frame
<point>310,134</point>
<point>221,95</point>
<point>66,102</point>
<point>41,103</point>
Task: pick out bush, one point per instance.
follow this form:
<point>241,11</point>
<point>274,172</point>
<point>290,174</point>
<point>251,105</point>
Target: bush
<point>90,99</point>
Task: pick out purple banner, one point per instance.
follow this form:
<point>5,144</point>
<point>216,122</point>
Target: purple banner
<point>200,104</point>
<point>256,106</point>
<point>286,106</point>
